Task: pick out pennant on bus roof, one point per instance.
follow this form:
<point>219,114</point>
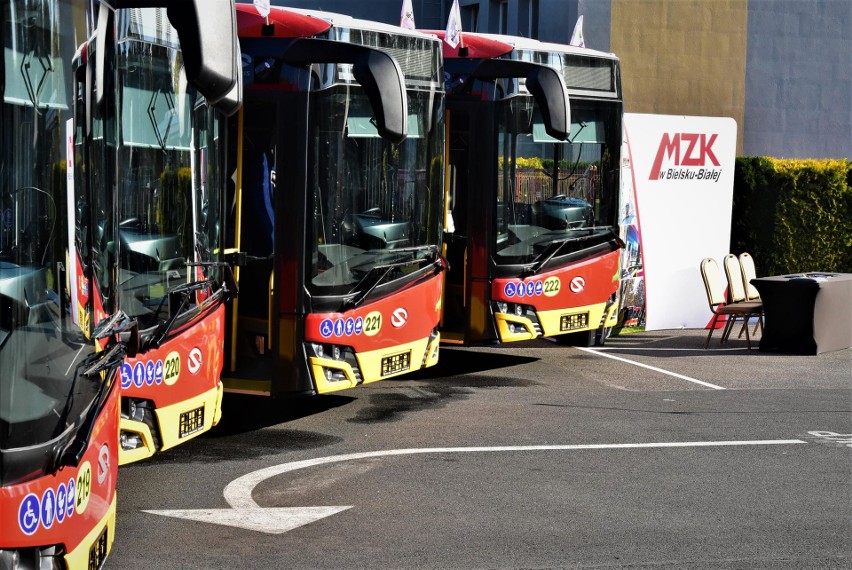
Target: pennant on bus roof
<point>577,36</point>
<point>406,17</point>
<point>263,7</point>
<point>454,26</point>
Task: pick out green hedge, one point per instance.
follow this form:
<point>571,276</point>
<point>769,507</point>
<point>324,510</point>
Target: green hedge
<point>793,215</point>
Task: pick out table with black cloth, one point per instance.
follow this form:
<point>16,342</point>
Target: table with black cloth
<point>806,313</point>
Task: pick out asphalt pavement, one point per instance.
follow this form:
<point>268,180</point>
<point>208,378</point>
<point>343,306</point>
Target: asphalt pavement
<point>649,452</point>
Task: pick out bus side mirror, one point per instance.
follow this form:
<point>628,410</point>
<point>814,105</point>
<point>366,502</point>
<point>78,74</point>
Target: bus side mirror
<point>207,30</point>
<point>548,88</point>
<point>208,37</point>
<point>231,103</point>
<point>380,76</point>
<point>105,16</point>
<point>543,82</point>
<point>378,73</point>
<point>3,67</point>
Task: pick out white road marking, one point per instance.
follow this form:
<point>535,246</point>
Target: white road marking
<point>247,514</point>
<point>268,520</point>
<point>655,349</point>
<point>654,368</point>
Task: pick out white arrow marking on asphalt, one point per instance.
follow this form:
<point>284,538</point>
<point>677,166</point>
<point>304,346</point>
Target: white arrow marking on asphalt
<point>271,520</point>
<point>247,514</point>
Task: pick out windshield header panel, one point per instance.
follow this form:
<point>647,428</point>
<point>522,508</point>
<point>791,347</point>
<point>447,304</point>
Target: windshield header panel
<point>584,75</point>
<point>265,64</point>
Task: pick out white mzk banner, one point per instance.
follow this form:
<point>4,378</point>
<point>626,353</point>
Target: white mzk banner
<point>682,172</point>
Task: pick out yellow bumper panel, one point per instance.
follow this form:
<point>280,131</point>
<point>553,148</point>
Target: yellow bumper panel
<point>170,417</point>
<point>524,328</point>
<point>371,364</point>
<point>550,320</point>
<point>144,451</point>
<point>612,315</point>
<point>79,557</point>
<point>203,412</point>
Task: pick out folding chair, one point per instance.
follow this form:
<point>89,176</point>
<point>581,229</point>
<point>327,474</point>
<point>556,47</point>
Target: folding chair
<point>749,273</point>
<point>737,289</point>
<point>714,287</point>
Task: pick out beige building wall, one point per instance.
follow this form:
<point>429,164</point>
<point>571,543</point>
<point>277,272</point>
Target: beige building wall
<point>682,57</point>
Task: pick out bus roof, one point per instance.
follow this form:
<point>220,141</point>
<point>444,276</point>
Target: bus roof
<point>344,21</point>
<point>481,45</point>
<point>521,43</point>
<point>287,23</point>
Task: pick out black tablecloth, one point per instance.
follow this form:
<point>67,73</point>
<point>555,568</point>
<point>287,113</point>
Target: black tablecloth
<point>806,313</point>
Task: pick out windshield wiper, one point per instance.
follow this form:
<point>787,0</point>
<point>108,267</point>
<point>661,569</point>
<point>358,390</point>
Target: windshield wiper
<point>413,249</point>
<point>378,273</point>
<point>184,290</point>
<point>556,245</point>
<point>94,363</point>
<point>368,284</point>
<point>106,361</point>
<point>549,253</point>
<point>230,283</point>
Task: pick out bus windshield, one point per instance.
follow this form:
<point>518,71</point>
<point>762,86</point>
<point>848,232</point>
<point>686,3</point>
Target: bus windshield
<point>373,203</point>
<point>554,191</point>
<point>167,184</point>
<point>43,396</point>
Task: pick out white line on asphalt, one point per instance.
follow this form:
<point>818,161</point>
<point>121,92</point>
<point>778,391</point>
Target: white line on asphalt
<point>246,514</point>
<point>238,492</point>
<point>654,368</point>
<point>701,350</point>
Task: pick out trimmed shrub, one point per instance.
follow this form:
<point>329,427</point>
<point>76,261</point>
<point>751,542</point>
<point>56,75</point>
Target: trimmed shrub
<point>793,215</point>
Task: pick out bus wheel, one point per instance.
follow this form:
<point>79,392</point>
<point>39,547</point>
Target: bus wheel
<point>601,335</point>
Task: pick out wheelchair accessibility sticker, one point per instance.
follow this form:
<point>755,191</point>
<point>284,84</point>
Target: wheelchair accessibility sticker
<point>54,506</point>
<point>341,327</point>
<point>523,289</point>
<point>156,372</point>
<point>549,288</point>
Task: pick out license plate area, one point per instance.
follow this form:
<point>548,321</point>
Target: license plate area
<point>574,322</point>
<point>98,551</point>
<point>396,363</point>
<point>191,422</point>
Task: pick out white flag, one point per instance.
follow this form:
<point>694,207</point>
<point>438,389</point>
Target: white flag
<point>577,36</point>
<point>406,17</point>
<point>262,7</point>
<point>454,26</point>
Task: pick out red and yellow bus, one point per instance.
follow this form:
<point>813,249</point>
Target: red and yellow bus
<point>165,249</point>
<point>339,207</point>
<point>533,191</point>
<point>59,380</point>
